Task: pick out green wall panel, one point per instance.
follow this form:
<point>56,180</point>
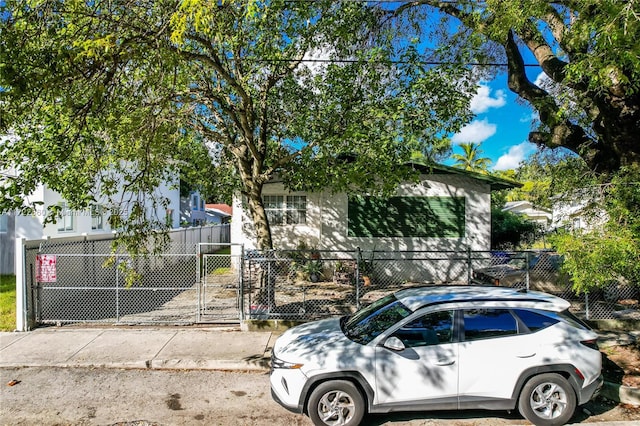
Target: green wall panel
<point>439,217</point>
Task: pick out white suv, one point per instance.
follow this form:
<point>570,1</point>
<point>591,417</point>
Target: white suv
<point>437,348</point>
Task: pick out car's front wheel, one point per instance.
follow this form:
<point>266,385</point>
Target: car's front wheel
<point>547,400</point>
<point>337,402</point>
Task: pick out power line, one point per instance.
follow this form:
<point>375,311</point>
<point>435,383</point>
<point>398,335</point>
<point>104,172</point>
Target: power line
<point>394,62</point>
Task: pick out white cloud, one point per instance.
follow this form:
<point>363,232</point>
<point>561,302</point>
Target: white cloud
<point>482,100</point>
<point>477,131</point>
<point>514,156</point>
<point>529,118</point>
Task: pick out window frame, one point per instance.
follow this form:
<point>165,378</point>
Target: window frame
<point>65,222</point>
<point>285,210</point>
<point>97,214</point>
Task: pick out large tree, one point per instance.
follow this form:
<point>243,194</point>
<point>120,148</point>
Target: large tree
<point>103,95</point>
<point>589,101</point>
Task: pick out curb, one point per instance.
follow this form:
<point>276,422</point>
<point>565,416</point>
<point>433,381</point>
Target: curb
<point>258,364</point>
<point>254,364</point>
<point>621,393</point>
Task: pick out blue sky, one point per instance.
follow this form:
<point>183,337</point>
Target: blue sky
<point>501,124</point>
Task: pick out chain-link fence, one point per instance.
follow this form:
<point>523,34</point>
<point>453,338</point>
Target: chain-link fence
<point>311,284</point>
<point>83,281</point>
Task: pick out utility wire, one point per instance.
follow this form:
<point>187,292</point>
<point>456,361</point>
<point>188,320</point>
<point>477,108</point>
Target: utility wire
<point>394,62</point>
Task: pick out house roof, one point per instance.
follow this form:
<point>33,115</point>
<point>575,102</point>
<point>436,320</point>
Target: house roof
<point>496,183</point>
<point>224,209</point>
<point>526,208</point>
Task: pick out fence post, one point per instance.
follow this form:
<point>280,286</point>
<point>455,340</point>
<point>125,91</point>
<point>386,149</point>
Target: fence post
<point>586,305</point>
<point>241,282</point>
<point>469,265</point>
<point>358,260</point>
<point>21,285</point>
<point>527,258</point>
<point>117,288</point>
<point>198,282</point>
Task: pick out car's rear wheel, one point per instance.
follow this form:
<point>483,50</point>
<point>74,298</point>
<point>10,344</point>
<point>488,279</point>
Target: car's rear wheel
<point>336,402</point>
<point>547,400</point>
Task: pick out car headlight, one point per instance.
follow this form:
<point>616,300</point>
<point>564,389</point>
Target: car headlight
<point>278,363</point>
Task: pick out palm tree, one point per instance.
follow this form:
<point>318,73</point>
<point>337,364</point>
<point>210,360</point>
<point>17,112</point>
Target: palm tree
<point>471,158</point>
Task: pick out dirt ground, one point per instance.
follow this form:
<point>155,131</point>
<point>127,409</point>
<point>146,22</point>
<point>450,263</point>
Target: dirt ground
<point>621,364</point>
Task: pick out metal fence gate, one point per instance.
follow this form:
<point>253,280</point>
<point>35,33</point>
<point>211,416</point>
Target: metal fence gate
<point>219,296</point>
<point>81,280</point>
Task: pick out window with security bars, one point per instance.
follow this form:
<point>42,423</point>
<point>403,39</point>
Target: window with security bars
<point>289,210</point>
<point>431,217</point>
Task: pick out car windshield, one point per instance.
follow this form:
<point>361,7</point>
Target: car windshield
<point>366,324</point>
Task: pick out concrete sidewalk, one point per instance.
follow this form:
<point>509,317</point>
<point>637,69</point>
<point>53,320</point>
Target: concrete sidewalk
<point>213,348</point>
<point>183,348</point>
<point>138,347</point>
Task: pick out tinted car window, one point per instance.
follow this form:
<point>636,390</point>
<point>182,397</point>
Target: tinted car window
<point>430,329</point>
<point>366,324</point>
<point>487,323</point>
<point>535,320</point>
<point>573,320</point>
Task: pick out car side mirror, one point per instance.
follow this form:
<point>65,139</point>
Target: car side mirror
<point>394,344</point>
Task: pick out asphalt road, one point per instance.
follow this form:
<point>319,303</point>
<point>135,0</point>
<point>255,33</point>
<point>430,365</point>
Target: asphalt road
<point>84,396</point>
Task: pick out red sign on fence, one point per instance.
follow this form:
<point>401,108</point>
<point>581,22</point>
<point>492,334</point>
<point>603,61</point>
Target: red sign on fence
<point>46,268</point>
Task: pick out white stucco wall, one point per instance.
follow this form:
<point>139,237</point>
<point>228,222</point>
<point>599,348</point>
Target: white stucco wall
<point>33,227</point>
<point>326,227</point>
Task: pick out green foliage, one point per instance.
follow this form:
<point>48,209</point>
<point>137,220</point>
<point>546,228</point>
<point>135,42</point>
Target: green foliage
<point>594,260</point>
<point>7,302</point>
<point>511,231</point>
<point>107,99</point>
<point>610,254</point>
<point>588,51</point>
<point>548,173</point>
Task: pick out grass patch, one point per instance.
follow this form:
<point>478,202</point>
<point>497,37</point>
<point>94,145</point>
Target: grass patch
<point>7,302</point>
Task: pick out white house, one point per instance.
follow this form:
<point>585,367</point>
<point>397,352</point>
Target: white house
<point>92,220</point>
<point>192,210</point>
<point>449,209</point>
<point>531,212</point>
<point>7,243</point>
<point>579,210</point>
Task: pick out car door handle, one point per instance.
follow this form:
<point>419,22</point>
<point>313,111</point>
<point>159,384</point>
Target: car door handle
<point>443,362</point>
<point>526,355</point>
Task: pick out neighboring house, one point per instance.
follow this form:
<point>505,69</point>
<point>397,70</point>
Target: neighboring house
<point>192,210</point>
<point>449,209</point>
<point>7,244</point>
<point>93,220</point>
<point>579,210</point>
<point>528,210</point>
<point>218,213</point>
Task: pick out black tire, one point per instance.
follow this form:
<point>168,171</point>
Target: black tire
<point>336,402</point>
<point>547,400</point>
